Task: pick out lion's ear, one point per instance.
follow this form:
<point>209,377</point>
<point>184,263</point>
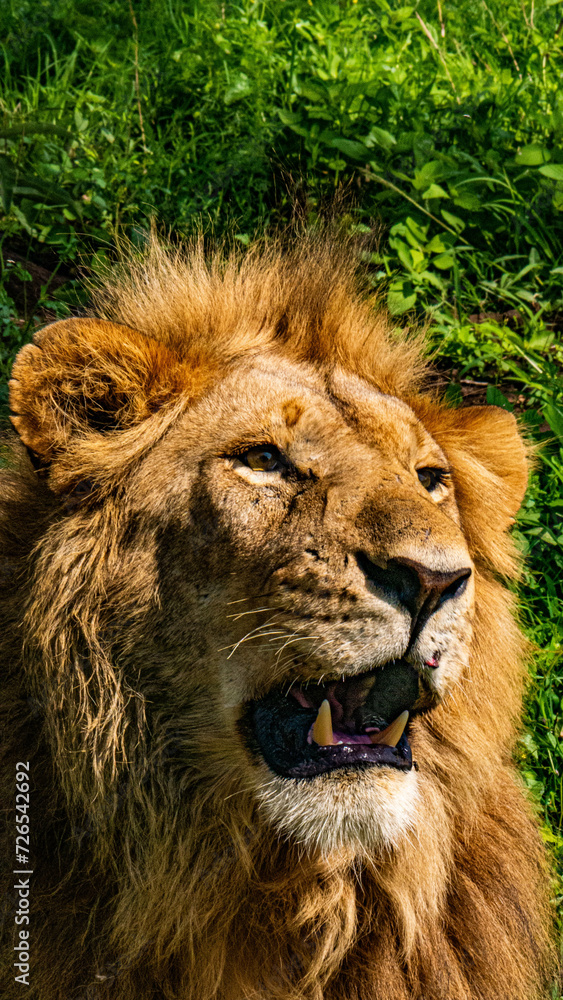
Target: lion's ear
<point>86,374</point>
<point>490,467</point>
<point>493,451</point>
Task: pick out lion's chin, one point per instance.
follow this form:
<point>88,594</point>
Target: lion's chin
<point>358,811</point>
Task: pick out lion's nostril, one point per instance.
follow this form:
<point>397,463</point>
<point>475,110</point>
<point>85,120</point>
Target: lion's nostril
<point>456,588</point>
<point>393,581</point>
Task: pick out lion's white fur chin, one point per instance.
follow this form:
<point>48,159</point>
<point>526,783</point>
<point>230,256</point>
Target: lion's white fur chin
<point>359,811</point>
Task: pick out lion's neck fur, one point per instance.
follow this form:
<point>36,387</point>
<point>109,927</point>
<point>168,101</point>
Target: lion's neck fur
<point>437,918</point>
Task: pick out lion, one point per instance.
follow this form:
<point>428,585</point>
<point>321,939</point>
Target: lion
<point>262,663</point>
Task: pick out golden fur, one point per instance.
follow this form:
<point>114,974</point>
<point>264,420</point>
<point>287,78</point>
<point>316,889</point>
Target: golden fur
<point>145,580</point>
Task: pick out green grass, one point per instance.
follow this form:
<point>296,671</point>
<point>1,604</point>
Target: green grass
<point>444,124</point>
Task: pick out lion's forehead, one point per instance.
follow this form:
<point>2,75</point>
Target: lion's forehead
<point>301,408</point>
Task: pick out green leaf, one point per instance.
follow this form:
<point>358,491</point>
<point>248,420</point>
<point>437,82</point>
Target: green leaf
<point>411,230</point>
<point>289,117</point>
<point>418,259</point>
<point>22,220</point>
<point>429,172</point>
<point>553,170</point>
<point>528,741</point>
<point>496,398</point>
<point>357,150</point>
<point>444,261</point>
<point>435,191</point>
<point>468,200</point>
<point>400,297</point>
<point>313,91</point>
<point>238,88</point>
<point>440,243</point>
<point>453,220</point>
<point>80,121</point>
<point>554,416</point>
<point>379,137</point>
<point>432,279</point>
<point>405,255</point>
<point>532,155</point>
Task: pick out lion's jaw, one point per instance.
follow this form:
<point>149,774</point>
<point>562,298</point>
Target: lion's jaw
<point>310,596</point>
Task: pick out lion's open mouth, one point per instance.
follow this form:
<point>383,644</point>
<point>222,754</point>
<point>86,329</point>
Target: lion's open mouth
<point>356,722</point>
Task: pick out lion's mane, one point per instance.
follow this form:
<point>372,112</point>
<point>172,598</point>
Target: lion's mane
<point>156,878</point>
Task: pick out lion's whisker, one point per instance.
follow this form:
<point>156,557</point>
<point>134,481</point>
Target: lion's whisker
<point>298,638</point>
<point>252,597</point>
<point>253,611</point>
<point>255,633</point>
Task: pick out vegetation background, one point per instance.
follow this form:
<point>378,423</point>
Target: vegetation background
<point>443,119</point>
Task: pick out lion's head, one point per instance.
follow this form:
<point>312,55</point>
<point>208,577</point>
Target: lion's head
<point>265,577</point>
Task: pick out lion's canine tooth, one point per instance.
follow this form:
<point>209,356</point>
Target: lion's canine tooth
<point>322,727</point>
<point>391,736</point>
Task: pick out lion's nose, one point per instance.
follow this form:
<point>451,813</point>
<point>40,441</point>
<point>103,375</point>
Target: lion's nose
<point>418,587</point>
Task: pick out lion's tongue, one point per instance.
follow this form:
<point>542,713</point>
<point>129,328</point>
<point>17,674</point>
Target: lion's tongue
<point>323,734</point>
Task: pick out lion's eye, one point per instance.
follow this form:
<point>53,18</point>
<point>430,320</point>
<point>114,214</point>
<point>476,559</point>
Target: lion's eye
<point>431,478</point>
<point>264,458</point>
